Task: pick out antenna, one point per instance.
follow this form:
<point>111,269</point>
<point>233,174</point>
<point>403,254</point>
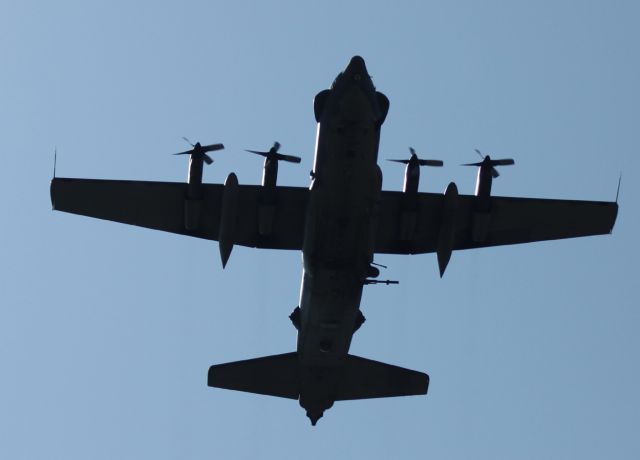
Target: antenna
<point>55,158</point>
<point>618,191</point>
<point>378,265</point>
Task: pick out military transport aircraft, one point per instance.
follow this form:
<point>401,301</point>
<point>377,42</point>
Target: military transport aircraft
<point>339,223</point>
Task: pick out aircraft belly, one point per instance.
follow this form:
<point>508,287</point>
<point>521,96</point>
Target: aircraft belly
<point>341,213</point>
<point>329,305</point>
<point>339,242</point>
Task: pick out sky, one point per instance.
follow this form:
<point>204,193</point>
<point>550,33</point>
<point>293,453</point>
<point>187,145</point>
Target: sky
<point>107,330</point>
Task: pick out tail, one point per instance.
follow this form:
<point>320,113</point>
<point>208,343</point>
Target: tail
<point>283,376</point>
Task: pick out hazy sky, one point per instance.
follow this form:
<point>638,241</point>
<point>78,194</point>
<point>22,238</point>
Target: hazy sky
<point>107,330</point>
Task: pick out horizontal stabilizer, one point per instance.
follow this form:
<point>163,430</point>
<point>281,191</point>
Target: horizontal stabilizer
<point>365,378</point>
<point>275,375</point>
<point>279,375</point>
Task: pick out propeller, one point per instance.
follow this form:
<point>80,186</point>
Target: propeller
<point>487,161</point>
<point>200,151</point>
<point>273,153</point>
<point>420,161</point>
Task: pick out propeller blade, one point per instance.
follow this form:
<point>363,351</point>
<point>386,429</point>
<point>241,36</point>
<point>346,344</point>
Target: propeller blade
<point>504,162</point>
<point>200,151</point>
<point>207,159</point>
<point>487,161</point>
<point>430,162</point>
<point>273,152</point>
<point>212,147</point>
<point>257,152</point>
<point>289,158</point>
<point>414,157</point>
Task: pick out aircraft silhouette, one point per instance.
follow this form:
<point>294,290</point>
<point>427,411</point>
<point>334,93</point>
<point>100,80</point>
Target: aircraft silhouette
<point>339,223</point>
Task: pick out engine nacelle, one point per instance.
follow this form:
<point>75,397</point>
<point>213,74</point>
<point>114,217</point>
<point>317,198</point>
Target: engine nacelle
<point>412,171</point>
<point>486,173</point>
<point>408,220</point>
<point>270,168</point>
<point>270,172</point>
<point>193,200</point>
<point>267,206</point>
<point>411,178</point>
<point>481,217</point>
<point>484,181</point>
<point>480,222</point>
<point>194,178</point>
<point>192,213</point>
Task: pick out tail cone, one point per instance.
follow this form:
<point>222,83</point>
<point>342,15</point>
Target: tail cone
<point>314,416</point>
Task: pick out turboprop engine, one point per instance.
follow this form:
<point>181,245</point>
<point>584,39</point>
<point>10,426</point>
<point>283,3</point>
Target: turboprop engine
<point>487,172</point>
<point>408,217</point>
<point>193,199</point>
<point>482,212</point>
<point>267,207</point>
<point>197,156</point>
<point>412,171</point>
<point>271,158</point>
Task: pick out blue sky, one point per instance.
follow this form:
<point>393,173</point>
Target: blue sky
<point>107,331</point>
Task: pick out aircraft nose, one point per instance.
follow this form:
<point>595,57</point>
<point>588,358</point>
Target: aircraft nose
<point>356,66</point>
<point>356,70</point>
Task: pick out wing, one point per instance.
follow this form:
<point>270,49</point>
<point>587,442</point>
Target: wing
<point>509,221</point>
<point>163,206</point>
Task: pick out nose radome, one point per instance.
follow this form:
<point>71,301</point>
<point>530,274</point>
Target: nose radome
<point>357,66</point>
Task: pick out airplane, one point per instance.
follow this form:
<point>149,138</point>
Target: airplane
<point>340,222</point>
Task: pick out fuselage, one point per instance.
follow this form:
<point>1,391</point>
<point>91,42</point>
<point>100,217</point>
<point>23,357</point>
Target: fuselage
<point>339,234</point>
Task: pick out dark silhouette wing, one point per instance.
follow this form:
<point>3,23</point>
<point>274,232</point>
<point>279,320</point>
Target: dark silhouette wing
<point>161,206</point>
<point>413,228</point>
